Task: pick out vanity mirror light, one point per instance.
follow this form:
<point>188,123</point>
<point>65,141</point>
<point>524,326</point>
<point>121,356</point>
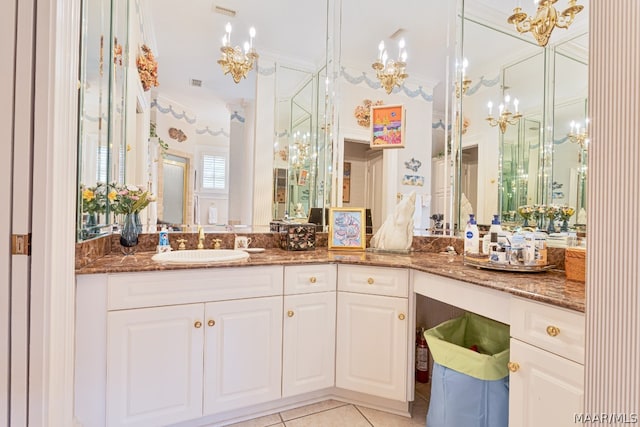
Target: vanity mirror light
<point>532,161</point>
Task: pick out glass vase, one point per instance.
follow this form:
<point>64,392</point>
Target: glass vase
<point>136,217</point>
<point>551,227</point>
<point>129,234</point>
<point>565,225</point>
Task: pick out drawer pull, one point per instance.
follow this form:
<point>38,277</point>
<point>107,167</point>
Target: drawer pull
<point>401,316</point>
<point>198,324</point>
<point>370,280</point>
<point>290,313</point>
<point>513,366</point>
<point>312,279</point>
<point>211,322</point>
<point>553,331</point>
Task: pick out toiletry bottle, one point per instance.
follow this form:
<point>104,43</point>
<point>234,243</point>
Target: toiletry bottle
<point>471,238</point>
<point>496,229</point>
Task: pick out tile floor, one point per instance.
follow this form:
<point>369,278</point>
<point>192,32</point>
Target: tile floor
<point>332,413</point>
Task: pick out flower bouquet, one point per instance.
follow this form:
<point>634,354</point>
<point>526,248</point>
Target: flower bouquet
<point>129,200</point>
<point>565,213</point>
<point>551,213</point>
<point>526,212</point>
<point>93,202</point>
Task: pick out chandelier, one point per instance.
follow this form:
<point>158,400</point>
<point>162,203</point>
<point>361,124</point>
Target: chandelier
<point>391,73</point>
<point>545,20</point>
<point>505,117</point>
<point>234,60</point>
<point>579,135</point>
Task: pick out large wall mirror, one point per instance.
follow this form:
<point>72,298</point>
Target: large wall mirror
<point>199,139</point>
<point>537,158</point>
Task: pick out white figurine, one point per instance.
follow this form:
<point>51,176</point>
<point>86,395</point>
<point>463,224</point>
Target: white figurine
<point>396,232</point>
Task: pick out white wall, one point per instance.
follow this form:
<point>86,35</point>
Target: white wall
<point>418,138</point>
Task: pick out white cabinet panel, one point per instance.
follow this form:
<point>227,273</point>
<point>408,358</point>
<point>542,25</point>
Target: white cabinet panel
<point>154,360</point>
<point>308,360</point>
<point>372,345</point>
<point>551,328</point>
<point>545,390</point>
<point>300,279</point>
<point>374,280</point>
<point>243,350</point>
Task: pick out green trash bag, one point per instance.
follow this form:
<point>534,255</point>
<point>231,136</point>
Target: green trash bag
<point>471,344</point>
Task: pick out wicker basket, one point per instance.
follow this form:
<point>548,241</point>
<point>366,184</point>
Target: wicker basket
<point>575,263</point>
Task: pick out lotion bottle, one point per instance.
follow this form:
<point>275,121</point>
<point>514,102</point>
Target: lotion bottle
<point>471,236</point>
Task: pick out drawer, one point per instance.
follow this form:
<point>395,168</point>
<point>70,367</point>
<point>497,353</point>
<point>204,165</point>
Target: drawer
<point>303,279</point>
<point>132,290</point>
<point>374,280</point>
<point>554,329</point>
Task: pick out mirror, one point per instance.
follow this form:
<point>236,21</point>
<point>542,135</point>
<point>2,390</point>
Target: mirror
<point>532,161</point>
<point>101,128</point>
<point>197,111</point>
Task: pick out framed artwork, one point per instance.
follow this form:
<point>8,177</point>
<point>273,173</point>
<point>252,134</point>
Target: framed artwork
<point>347,228</point>
<point>303,176</point>
<point>387,126</point>
<point>346,182</point>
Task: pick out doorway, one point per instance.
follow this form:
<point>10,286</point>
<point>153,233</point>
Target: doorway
<point>362,180</point>
<point>173,189</point>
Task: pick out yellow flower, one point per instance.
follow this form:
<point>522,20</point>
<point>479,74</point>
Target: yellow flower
<point>88,195</point>
<point>112,195</point>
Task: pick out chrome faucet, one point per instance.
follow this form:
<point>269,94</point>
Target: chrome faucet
<point>200,238</point>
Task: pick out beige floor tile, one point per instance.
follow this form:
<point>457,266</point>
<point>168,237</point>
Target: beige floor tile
<point>344,416</point>
<point>384,419</point>
<point>267,420</point>
<point>311,409</point>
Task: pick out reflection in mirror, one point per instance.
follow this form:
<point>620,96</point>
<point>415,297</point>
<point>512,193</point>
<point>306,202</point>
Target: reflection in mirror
<point>570,106</point>
<point>533,161</point>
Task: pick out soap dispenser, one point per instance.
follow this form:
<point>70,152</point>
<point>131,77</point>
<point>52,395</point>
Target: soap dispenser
<point>492,235</point>
<point>471,236</point>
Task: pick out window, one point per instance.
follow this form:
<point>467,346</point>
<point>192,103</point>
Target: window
<point>214,172</point>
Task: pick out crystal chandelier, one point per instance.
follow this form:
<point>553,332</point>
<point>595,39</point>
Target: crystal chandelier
<point>505,117</point>
<point>466,82</point>
<point>234,60</point>
<point>545,20</point>
<point>391,73</point>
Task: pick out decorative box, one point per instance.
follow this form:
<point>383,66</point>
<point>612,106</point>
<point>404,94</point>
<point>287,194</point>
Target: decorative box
<point>297,237</point>
<point>575,263</point>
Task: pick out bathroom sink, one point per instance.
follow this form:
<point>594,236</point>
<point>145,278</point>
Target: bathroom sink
<point>200,256</point>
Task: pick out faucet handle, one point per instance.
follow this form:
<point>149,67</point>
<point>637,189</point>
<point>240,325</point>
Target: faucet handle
<point>216,243</point>
<point>181,245</point>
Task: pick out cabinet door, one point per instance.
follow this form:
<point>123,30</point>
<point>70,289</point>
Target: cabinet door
<point>545,390</point>
<point>372,340</point>
<point>154,365</point>
<point>243,350</point>
<point>308,360</point>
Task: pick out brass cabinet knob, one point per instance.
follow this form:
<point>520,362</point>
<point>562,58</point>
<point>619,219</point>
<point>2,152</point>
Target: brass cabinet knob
<point>211,322</point>
<point>513,366</point>
<point>290,313</point>
<point>401,316</point>
<point>312,279</point>
<point>553,330</point>
<point>198,324</point>
<point>370,280</point>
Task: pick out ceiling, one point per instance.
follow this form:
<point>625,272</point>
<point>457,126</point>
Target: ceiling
<point>186,37</point>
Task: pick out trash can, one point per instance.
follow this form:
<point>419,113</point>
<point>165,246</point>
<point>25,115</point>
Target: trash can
<point>470,379</point>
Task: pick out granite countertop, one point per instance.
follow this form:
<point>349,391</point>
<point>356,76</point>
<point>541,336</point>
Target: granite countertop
<point>550,286</point>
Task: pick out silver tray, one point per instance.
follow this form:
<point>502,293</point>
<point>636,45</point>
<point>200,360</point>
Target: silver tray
<point>485,264</point>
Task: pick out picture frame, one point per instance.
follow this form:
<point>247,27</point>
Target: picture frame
<point>346,182</point>
<point>347,229</point>
<point>302,177</point>
<point>387,126</point>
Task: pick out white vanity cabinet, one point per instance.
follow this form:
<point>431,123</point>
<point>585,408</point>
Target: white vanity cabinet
<point>309,327</point>
<point>154,365</point>
<point>547,365</point>
<point>372,337</point>
<point>157,348</point>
